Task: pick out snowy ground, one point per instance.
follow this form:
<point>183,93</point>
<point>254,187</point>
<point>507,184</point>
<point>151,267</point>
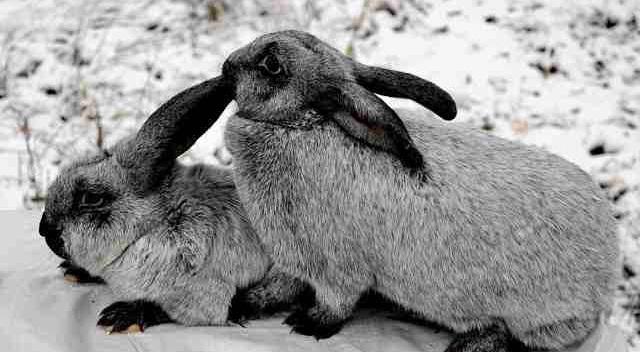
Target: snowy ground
<point>564,75</point>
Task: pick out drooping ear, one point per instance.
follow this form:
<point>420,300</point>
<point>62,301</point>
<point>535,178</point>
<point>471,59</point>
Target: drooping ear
<point>405,85</point>
<point>173,128</point>
<point>366,117</point>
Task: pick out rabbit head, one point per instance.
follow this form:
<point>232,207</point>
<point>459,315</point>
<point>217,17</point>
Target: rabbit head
<point>100,204</point>
<point>292,78</point>
<point>92,213</point>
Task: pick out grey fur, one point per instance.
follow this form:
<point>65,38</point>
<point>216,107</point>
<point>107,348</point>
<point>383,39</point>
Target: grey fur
<point>187,246</point>
<point>465,229</point>
<point>179,238</point>
<point>488,233</point>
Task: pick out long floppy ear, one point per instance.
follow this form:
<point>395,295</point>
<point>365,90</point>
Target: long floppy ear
<point>366,117</point>
<point>173,128</point>
<point>405,85</point>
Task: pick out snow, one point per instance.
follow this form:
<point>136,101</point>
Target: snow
<point>561,75</point>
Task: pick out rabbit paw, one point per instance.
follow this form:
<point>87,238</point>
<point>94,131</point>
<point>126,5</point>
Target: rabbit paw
<point>491,339</point>
<point>268,298</point>
<point>132,316</point>
<point>243,308</point>
<point>76,274</point>
<point>315,322</point>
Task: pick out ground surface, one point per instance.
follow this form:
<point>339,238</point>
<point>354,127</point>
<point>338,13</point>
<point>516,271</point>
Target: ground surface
<point>78,75</point>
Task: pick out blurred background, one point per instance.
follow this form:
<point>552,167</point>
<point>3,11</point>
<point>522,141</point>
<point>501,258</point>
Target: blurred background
<point>76,76</point>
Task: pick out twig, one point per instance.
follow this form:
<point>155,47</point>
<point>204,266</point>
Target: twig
<point>357,25</point>
<point>419,6</point>
<point>192,22</point>
<point>99,131</point>
<point>76,59</point>
<point>25,129</point>
<point>4,75</point>
<point>89,111</point>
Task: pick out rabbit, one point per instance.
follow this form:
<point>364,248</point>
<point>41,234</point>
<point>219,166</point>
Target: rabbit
<point>509,246</point>
<point>172,241</point>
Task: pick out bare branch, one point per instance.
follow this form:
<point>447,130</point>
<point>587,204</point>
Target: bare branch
<point>356,26</point>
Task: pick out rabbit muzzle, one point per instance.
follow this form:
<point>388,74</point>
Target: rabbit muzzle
<point>52,234</point>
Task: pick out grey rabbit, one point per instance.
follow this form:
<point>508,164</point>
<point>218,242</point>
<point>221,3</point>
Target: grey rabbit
<point>172,241</point>
<point>509,246</point>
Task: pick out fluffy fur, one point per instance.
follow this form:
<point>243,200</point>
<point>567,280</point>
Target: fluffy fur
<point>497,234</point>
<point>187,247</point>
<point>501,242</point>
<point>482,233</point>
<point>174,244</point>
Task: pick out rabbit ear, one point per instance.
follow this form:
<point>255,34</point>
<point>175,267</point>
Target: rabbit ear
<point>174,128</point>
<point>405,85</point>
<point>366,117</point>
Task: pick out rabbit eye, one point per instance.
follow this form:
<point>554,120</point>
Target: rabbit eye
<point>92,200</point>
<point>270,65</point>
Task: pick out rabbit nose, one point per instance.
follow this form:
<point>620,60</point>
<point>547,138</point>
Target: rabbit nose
<point>46,229</point>
<point>53,237</point>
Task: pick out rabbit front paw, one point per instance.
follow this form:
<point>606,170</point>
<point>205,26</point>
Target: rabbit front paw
<point>317,322</point>
<point>75,274</point>
<point>244,308</point>
<point>132,316</point>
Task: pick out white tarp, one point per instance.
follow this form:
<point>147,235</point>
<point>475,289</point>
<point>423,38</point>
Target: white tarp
<point>41,312</point>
